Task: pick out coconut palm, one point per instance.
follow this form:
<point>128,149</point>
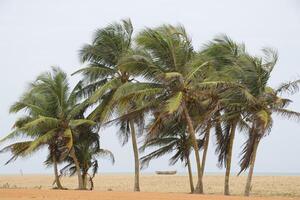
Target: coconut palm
<point>268,102</point>
<point>35,105</point>
<point>224,55</point>
<point>103,76</point>
<point>88,151</point>
<point>51,118</point>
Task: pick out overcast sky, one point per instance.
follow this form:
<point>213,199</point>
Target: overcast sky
<point>35,35</point>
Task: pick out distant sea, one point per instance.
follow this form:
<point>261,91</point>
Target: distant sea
<point>242,174</point>
<point>211,173</point>
<point>178,173</point>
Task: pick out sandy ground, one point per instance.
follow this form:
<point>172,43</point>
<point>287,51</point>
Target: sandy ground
<point>28,194</point>
<point>121,186</point>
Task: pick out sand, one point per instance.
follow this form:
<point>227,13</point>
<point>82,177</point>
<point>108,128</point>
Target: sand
<point>29,194</point>
<point>153,187</point>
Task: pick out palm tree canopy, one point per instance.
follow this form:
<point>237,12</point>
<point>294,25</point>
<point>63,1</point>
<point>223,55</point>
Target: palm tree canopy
<point>259,114</point>
<point>50,115</point>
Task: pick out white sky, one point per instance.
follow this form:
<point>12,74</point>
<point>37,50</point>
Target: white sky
<point>35,35</point>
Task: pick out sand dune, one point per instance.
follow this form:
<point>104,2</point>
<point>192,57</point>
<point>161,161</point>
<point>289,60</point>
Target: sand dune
<point>282,186</point>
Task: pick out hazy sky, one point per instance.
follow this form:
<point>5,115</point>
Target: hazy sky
<point>35,35</point>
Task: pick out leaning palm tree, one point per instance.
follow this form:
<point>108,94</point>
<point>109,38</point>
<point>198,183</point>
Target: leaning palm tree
<point>268,101</point>
<point>103,76</point>
<point>88,152</point>
<point>54,123</point>
<point>224,54</point>
<point>171,139</point>
<point>35,105</point>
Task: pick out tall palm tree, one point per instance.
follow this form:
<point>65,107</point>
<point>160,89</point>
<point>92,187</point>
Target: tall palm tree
<point>178,81</point>
<point>172,138</point>
<point>51,119</point>
<point>224,55</point>
<point>167,52</point>
<point>103,76</point>
<point>257,75</point>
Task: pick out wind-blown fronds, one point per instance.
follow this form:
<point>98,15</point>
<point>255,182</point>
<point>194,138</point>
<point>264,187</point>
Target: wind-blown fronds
<point>167,142</point>
<point>288,114</point>
<point>290,87</point>
<point>247,151</point>
<point>17,149</point>
<point>157,87</point>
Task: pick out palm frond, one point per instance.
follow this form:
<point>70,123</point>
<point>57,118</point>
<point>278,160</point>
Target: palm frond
<point>173,103</point>
<point>79,122</point>
<point>114,83</point>
<point>288,114</point>
<point>192,73</point>
<point>17,149</point>
<point>106,154</point>
<point>290,87</point>
<point>42,140</point>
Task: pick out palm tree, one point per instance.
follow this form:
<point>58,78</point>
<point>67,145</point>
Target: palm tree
<point>167,52</point>
<point>51,118</point>
<point>178,81</point>
<point>103,76</point>
<point>224,54</point>
<point>35,105</point>
<point>88,151</point>
<point>268,101</point>
<point>171,139</point>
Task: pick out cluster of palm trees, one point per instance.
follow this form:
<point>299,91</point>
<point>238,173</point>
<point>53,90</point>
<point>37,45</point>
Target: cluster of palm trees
<point>158,87</point>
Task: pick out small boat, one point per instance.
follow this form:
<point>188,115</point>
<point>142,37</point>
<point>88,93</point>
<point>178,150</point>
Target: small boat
<point>166,172</point>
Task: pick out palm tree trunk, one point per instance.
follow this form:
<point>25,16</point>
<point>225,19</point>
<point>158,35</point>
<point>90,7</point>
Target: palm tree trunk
<point>228,158</point>
<point>250,173</point>
<point>78,171</point>
<point>205,147</point>
<point>84,180</point>
<point>199,187</point>
<point>57,181</point>
<point>190,173</point>
<point>136,158</point>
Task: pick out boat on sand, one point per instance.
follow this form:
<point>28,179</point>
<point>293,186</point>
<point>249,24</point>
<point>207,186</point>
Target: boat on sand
<point>166,172</point>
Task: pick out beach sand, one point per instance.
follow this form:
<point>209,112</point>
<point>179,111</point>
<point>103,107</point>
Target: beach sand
<point>119,186</point>
<point>29,194</point>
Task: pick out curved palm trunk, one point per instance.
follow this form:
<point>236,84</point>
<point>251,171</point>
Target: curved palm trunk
<point>199,187</point>
<point>91,182</point>
<point>80,180</point>
<point>57,181</point>
<point>250,173</point>
<point>228,158</point>
<point>205,147</point>
<point>136,158</point>
<point>190,173</point>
